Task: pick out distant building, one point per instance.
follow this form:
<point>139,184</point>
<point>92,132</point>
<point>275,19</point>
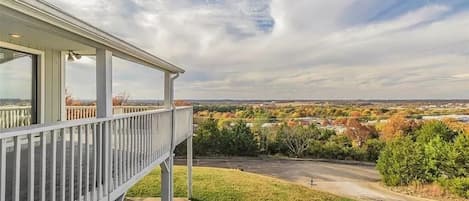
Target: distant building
<point>461,118</point>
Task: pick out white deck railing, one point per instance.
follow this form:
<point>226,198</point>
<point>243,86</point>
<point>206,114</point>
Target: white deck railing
<point>16,116</point>
<point>83,112</point>
<point>87,159</point>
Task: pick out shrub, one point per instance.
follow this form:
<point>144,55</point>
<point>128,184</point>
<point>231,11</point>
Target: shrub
<point>431,129</point>
<point>461,149</point>
<point>458,186</point>
<point>234,141</point>
<point>398,163</point>
<point>373,149</point>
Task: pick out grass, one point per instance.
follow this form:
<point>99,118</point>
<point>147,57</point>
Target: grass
<point>216,184</point>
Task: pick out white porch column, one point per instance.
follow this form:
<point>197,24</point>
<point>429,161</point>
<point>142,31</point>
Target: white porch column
<point>189,167</point>
<point>167,166</point>
<point>104,109</point>
<point>103,83</point>
<point>166,180</point>
<point>167,90</point>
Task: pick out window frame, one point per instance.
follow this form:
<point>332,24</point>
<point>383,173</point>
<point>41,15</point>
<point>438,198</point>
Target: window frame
<point>37,92</point>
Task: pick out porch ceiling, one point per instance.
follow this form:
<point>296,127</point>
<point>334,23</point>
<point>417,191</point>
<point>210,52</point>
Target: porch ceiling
<point>36,34</point>
<point>44,26</point>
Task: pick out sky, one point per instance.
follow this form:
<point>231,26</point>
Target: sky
<point>280,49</point>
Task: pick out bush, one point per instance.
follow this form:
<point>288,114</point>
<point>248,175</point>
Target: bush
<point>458,186</point>
<point>373,149</point>
<point>399,161</point>
<point>434,153</point>
<point>461,149</point>
<point>234,141</point>
<point>432,129</point>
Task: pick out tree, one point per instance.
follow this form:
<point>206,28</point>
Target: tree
<point>431,129</point>
<point>357,132</point>
<point>397,126</point>
<point>243,140</point>
<point>399,162</point>
<point>298,138</point>
<point>461,148</point>
<point>121,99</point>
<point>206,137</point>
<point>373,149</point>
<point>69,101</point>
<point>182,103</point>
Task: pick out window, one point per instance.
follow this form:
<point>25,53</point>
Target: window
<point>18,88</point>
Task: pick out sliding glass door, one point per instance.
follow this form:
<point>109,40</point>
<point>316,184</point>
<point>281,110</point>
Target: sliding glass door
<point>18,88</point>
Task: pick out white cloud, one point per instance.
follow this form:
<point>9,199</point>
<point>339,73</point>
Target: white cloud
<point>309,53</point>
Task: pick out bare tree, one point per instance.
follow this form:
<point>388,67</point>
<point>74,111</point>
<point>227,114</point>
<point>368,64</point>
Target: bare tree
<point>298,139</point>
<point>121,99</point>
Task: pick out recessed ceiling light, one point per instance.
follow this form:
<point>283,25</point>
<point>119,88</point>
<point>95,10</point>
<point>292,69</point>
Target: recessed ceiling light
<point>13,35</point>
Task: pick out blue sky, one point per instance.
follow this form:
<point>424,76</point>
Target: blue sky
<point>279,49</point>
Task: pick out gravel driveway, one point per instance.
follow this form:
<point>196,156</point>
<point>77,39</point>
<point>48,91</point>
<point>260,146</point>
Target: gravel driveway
<point>354,181</point>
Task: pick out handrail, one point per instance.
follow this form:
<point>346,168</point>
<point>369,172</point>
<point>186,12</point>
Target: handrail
<point>17,131</point>
<point>16,116</point>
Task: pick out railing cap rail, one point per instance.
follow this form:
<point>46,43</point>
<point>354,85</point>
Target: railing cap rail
<point>38,128</point>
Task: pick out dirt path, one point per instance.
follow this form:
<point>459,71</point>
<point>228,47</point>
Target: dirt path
<point>354,181</point>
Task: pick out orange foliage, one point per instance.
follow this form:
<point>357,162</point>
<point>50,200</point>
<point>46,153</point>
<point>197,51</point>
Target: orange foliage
<point>120,99</point>
<point>357,132</point>
<point>325,122</point>
<point>182,103</point>
<point>397,125</point>
<point>355,114</point>
<point>456,125</point>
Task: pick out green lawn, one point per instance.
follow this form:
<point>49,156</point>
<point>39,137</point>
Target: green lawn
<point>215,184</point>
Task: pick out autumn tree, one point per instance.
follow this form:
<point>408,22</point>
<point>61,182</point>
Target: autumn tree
<point>456,125</point>
<point>357,132</point>
<point>397,125</point>
<point>182,103</point>
<point>121,99</point>
<point>69,101</point>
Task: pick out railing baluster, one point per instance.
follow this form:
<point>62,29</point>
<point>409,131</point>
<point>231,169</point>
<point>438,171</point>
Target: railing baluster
<point>108,149</point>
<point>3,155</point>
<point>148,141</point>
<point>145,140</point>
<point>114,144</point>
<point>94,195</point>
<point>16,169</point>
<point>129,151</point>
<point>72,165</point>
<point>100,161</point>
<point>80,162</point>
<point>87,159</point>
<point>140,143</point>
<point>125,147</point>
<point>53,173</point>
<point>121,162</point>
<point>30,167</point>
<point>43,166</point>
<point>63,165</point>
<point>134,145</point>
<point>152,137</point>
